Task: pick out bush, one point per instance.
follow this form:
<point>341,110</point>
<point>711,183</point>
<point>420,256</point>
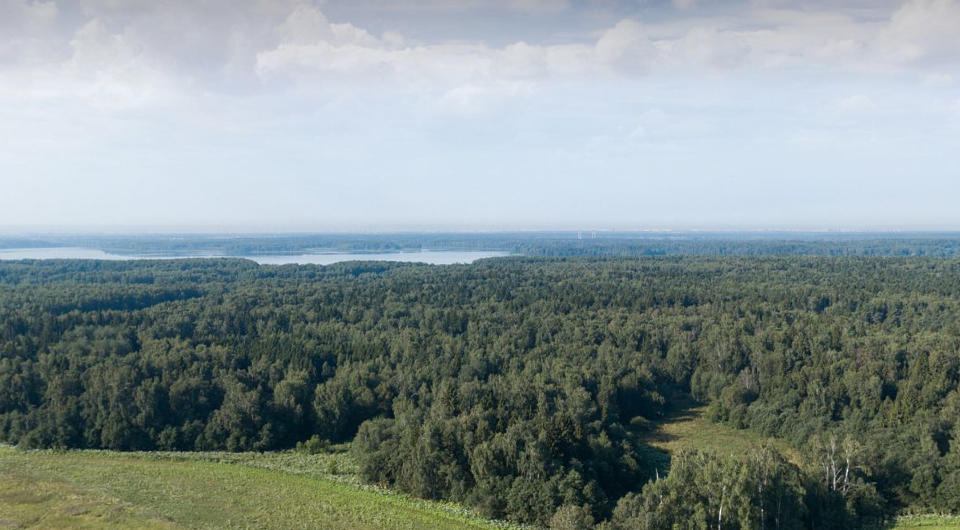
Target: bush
<point>314,446</point>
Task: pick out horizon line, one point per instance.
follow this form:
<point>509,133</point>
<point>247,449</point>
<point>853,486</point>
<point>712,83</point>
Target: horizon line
<point>237,231</point>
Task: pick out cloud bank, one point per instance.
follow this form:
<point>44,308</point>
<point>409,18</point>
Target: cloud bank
<point>673,103</point>
<point>125,52</point>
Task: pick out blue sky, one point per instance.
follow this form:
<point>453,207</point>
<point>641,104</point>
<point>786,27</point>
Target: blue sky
<point>497,114</point>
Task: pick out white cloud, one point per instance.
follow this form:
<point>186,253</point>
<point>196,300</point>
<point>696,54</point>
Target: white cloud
<point>25,16</point>
<point>626,47</point>
<point>139,50</point>
<point>771,37</point>
<point>924,31</point>
<point>308,25</point>
<point>521,60</point>
<point>707,47</point>
<point>570,59</point>
<point>28,31</point>
<point>110,71</point>
<point>209,43</point>
<point>474,100</point>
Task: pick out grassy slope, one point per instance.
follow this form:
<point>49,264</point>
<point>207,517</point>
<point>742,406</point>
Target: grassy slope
<point>165,491</point>
<point>107,490</point>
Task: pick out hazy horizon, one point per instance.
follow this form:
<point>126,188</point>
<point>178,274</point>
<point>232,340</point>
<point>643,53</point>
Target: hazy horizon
<point>507,115</point>
<point>585,231</point>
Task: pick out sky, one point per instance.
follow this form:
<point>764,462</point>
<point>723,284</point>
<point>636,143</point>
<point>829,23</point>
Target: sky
<point>300,115</point>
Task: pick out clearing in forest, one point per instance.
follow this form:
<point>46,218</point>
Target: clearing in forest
<point>688,428</point>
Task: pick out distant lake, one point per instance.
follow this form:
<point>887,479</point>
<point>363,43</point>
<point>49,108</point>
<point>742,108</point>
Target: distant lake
<point>433,257</point>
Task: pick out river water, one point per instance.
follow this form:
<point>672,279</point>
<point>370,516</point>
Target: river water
<point>433,257</point>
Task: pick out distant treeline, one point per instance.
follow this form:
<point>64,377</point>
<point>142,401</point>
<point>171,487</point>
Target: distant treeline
<point>523,243</point>
<point>520,386</point>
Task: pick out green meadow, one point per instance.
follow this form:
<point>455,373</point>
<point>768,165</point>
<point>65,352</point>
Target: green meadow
<point>106,490</point>
<point>110,490</point>
<point>689,429</point>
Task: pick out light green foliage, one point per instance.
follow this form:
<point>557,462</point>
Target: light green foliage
<point>706,492</point>
<point>569,517</point>
<point>315,445</point>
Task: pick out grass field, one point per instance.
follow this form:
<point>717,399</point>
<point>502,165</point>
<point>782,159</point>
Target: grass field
<point>105,490</point>
<point>108,490</point>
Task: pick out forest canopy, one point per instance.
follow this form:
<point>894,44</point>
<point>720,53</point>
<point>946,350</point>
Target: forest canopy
<point>519,386</point>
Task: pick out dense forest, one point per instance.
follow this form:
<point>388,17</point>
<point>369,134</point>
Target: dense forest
<point>519,386</point>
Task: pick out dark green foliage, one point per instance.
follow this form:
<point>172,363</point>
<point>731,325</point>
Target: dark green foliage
<point>520,386</point>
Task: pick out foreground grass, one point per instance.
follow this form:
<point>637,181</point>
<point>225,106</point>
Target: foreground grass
<point>106,490</point>
<point>109,490</point>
